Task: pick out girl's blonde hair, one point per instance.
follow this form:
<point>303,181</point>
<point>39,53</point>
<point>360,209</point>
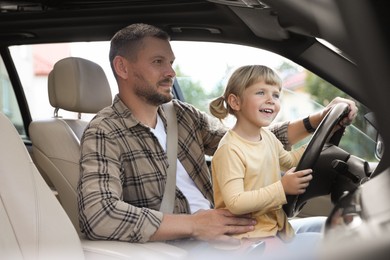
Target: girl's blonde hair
<point>241,79</point>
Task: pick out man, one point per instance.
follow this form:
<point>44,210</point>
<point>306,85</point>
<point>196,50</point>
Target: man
<point>123,159</point>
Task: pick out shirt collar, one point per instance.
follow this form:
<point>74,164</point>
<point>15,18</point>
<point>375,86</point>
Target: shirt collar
<point>124,112</point>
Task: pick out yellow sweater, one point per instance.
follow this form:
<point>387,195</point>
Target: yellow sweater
<point>246,179</point>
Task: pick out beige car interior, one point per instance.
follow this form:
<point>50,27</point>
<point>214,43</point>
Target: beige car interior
<point>48,227</point>
<point>33,224</point>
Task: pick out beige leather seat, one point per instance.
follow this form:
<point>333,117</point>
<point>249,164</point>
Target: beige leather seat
<point>76,85</point>
<point>33,225</point>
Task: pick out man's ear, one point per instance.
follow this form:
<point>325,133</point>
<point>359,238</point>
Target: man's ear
<point>121,66</point>
<point>234,102</point>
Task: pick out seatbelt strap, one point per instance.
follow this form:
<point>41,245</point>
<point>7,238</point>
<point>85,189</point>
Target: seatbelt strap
<point>168,200</point>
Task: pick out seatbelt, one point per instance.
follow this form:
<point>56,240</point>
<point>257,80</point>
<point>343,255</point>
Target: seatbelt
<point>168,200</point>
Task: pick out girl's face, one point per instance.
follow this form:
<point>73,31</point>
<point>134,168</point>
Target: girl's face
<point>259,105</point>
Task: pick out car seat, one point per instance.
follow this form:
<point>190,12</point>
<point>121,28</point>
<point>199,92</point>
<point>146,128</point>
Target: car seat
<point>33,224</point>
<point>77,85</point>
<point>80,85</point>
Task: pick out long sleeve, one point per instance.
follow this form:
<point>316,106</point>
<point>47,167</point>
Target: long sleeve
<point>230,162</point>
<point>247,179</point>
<point>280,130</point>
<point>103,213</point>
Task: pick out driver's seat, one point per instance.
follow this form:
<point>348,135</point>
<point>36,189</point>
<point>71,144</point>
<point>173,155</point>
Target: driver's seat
<point>76,85</point>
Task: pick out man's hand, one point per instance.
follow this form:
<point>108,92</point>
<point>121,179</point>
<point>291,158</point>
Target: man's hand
<point>213,225</point>
<point>295,183</point>
<point>219,224</point>
<point>352,110</point>
<point>297,130</point>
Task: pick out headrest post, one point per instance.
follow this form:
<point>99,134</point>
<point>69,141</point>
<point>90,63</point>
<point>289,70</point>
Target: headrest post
<point>56,112</point>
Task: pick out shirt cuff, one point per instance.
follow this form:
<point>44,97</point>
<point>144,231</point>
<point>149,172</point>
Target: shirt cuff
<point>152,221</point>
<point>280,130</point>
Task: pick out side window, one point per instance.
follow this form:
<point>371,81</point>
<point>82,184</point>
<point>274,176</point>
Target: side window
<point>8,103</point>
<point>203,72</point>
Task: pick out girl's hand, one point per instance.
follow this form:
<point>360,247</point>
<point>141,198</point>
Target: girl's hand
<point>295,183</point>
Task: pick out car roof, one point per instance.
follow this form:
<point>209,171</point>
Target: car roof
<point>100,19</point>
<point>284,23</point>
<point>289,28</point>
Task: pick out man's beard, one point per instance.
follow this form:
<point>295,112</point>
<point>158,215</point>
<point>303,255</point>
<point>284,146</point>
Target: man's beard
<point>149,93</point>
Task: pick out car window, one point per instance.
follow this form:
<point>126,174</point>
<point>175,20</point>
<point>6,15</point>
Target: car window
<point>8,103</point>
<point>202,70</point>
<point>203,73</point>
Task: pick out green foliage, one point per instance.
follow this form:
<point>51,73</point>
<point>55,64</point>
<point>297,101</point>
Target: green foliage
<point>323,93</point>
<point>194,93</point>
<point>192,90</point>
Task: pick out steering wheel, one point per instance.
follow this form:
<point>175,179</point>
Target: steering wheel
<point>312,152</point>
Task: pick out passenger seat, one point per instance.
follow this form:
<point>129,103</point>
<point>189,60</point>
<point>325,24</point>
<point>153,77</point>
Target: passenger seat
<point>77,85</point>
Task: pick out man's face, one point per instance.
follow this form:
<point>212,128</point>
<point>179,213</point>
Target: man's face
<point>152,75</point>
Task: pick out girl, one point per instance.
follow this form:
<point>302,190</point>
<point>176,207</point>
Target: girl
<point>246,168</point>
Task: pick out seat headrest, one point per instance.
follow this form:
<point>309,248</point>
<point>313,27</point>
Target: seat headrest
<point>78,85</point>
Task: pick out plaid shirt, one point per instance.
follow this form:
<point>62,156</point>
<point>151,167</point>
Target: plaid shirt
<point>124,168</point>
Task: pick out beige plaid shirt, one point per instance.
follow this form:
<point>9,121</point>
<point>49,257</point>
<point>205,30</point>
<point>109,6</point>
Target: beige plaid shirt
<point>124,167</point>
